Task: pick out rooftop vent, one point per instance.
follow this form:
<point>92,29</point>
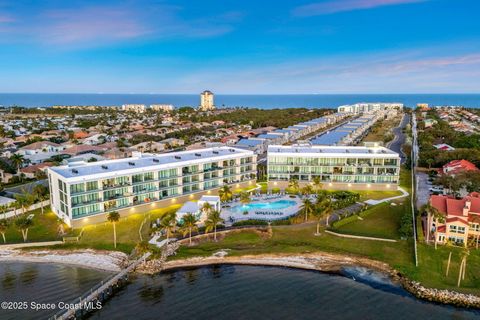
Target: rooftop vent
<point>104,167</point>
<point>156,160</point>
<point>74,171</point>
<point>215,152</point>
<point>178,157</point>
<point>198,155</point>
<point>232,150</point>
<point>131,163</point>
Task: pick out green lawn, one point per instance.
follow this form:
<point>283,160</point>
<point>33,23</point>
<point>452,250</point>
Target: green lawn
<point>45,228</point>
<point>377,195</point>
<point>382,220</point>
<point>300,239</point>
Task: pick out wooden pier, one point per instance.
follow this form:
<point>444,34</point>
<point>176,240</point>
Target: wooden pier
<point>87,302</point>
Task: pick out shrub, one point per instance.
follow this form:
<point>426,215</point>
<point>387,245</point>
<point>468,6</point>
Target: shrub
<point>250,222</point>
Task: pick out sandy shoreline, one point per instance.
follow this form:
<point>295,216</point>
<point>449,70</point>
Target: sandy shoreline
<point>91,259</point>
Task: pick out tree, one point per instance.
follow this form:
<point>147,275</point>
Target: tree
<point>437,218</point>
<point>322,209</point>
<point>225,193</point>
<point>23,224</point>
<point>463,266</point>
<point>168,224</point>
<point>213,219</point>
<point>189,224</point>
<point>24,200</point>
<point>245,197</point>
<point>17,160</point>
<point>307,207</point>
<point>449,244</point>
<point>141,248</point>
<point>206,208</point>
<point>40,192</point>
<point>307,190</point>
<point>293,184</point>
<point>3,229</point>
<point>317,184</point>
<point>113,217</point>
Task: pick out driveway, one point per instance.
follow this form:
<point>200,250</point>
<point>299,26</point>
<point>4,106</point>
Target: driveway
<point>28,187</point>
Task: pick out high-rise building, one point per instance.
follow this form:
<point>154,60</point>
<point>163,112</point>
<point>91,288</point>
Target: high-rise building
<point>161,107</point>
<point>134,107</point>
<point>206,101</point>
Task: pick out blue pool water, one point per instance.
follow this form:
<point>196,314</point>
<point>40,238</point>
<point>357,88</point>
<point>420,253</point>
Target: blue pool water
<point>275,205</point>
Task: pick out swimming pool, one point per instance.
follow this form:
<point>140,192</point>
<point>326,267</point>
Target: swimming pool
<point>258,206</point>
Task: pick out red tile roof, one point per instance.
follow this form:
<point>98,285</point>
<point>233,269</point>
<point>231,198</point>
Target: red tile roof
<point>457,219</point>
<point>457,166</point>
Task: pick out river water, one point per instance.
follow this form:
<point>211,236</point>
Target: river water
<point>225,292</point>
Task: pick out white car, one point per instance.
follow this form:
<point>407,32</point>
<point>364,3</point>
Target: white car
<point>436,189</point>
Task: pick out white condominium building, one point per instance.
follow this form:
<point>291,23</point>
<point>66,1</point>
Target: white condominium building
<point>375,168</point>
<point>206,101</point>
<point>370,107</point>
<point>134,107</point>
<point>161,107</point>
<point>84,192</point>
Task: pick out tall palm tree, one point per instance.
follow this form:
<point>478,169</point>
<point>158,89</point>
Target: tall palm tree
<point>244,197</point>
<point>17,160</point>
<point>212,222</point>
<point>307,190</point>
<point>168,224</point>
<point>431,211</point>
<point>40,192</point>
<point>206,208</point>
<point>293,184</point>
<point>23,224</point>
<point>189,224</point>
<point>113,217</point>
<point>449,244</point>
<point>437,218</point>
<point>307,207</point>
<point>463,266</point>
<point>322,209</point>
<point>24,200</point>
<point>225,193</point>
<point>3,229</point>
<point>317,184</point>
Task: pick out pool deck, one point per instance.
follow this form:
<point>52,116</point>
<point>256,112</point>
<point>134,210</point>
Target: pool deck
<point>231,216</point>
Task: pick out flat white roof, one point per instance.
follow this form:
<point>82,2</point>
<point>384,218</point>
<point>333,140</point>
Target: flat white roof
<point>331,151</point>
<point>146,162</point>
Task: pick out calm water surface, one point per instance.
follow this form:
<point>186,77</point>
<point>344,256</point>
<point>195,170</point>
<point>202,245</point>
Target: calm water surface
<point>267,101</point>
<point>224,292</point>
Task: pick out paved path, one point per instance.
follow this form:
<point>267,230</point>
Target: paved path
<point>374,202</point>
<point>399,140</point>
<point>29,244</point>
<point>358,237</point>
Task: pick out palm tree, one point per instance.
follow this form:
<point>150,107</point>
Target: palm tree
<point>206,208</point>
<point>245,197</point>
<point>307,190</point>
<point>24,200</point>
<point>307,207</point>
<point>431,211</point>
<point>449,244</point>
<point>293,185</point>
<point>168,224</point>
<point>113,217</point>
<point>23,224</point>
<point>225,193</point>
<point>437,218</point>
<point>322,209</point>
<point>40,192</point>
<point>317,184</point>
<point>3,229</point>
<point>189,224</point>
<point>212,221</point>
<point>463,266</point>
<point>17,160</point>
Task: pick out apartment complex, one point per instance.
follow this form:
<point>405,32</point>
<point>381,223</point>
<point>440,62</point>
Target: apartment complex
<point>140,108</point>
<point>83,192</point>
<point>161,107</point>
<point>461,220</point>
<point>370,107</point>
<point>345,168</point>
<point>206,101</point>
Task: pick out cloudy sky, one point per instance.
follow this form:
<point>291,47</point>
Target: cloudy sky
<point>231,46</point>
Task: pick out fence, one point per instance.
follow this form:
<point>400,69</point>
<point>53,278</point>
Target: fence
<point>14,213</point>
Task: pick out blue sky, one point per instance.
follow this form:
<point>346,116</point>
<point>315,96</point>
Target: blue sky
<point>231,46</point>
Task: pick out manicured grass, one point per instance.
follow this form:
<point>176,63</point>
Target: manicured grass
<point>45,228</point>
<point>382,221</point>
<point>377,195</point>
<point>100,236</point>
<point>300,239</point>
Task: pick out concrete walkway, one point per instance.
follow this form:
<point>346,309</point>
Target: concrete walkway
<point>374,202</point>
<point>30,244</point>
<point>358,237</point>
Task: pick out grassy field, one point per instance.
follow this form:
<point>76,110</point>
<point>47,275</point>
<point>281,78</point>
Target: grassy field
<point>45,228</point>
<point>300,239</point>
<point>382,221</point>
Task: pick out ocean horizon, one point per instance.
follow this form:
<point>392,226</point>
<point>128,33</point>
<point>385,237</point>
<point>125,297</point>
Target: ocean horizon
<point>263,101</point>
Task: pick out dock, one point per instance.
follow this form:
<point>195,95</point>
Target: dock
<point>88,301</point>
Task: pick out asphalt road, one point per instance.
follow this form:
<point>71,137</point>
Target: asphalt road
<point>399,140</point>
